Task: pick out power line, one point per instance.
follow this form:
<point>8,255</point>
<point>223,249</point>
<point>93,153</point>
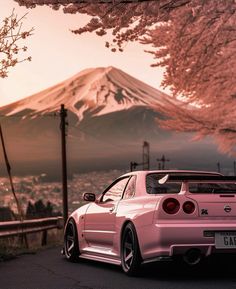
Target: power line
<point>19,208</point>
<point>162,161</point>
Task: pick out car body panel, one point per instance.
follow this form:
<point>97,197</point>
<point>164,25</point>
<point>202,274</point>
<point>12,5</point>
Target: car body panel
<point>215,204</point>
<point>100,224</point>
<point>160,234</point>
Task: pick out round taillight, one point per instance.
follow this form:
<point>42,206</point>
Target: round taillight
<point>188,207</point>
<point>171,206</point>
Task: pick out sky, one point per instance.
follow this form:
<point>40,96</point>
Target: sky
<point>58,54</point>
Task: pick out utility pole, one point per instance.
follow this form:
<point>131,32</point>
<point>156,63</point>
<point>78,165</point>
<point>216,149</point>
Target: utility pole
<point>146,158</point>
<point>162,160</point>
<point>146,155</point>
<point>235,168</point>
<point>133,166</point>
<point>218,167</point>
<point>63,115</point>
<point>19,208</point>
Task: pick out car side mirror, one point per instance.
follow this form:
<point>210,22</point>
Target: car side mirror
<point>89,197</point>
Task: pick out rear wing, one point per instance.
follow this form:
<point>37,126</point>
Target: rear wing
<point>197,178</point>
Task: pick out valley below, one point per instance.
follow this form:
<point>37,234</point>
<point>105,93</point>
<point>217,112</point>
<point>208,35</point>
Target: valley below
<point>35,188</point>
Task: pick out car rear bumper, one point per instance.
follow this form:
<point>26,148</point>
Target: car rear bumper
<point>165,239</point>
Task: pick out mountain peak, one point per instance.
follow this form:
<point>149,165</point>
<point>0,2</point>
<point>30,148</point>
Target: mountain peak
<point>109,68</point>
<point>93,91</point>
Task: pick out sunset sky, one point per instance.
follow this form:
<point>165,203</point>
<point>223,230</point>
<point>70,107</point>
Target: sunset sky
<point>58,54</point>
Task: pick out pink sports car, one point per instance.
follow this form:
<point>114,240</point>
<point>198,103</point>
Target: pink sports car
<point>148,216</point>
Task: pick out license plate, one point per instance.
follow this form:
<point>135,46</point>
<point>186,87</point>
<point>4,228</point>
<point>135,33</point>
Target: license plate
<point>225,240</point>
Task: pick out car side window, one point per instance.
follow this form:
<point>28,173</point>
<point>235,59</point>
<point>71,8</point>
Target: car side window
<point>130,188</point>
<point>115,192</point>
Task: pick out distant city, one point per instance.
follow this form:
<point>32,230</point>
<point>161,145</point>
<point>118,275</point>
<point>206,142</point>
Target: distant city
<point>35,188</point>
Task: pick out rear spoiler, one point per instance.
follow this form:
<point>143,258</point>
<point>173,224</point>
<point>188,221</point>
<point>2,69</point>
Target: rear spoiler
<point>197,178</point>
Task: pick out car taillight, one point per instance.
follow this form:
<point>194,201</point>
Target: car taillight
<point>188,207</point>
<point>171,206</point>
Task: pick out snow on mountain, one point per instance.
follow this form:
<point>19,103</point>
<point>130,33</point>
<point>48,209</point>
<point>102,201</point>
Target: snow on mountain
<point>98,91</point>
<point>117,113</point>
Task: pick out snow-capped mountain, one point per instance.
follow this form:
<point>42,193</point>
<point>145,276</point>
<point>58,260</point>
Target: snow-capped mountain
<point>96,91</point>
<point>110,114</point>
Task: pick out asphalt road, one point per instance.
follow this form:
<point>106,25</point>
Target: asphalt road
<point>49,270</point>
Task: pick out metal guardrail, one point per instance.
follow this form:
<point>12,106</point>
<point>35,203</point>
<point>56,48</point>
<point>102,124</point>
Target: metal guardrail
<point>22,228</point>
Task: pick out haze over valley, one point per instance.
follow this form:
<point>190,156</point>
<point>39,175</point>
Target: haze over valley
<point>110,114</point>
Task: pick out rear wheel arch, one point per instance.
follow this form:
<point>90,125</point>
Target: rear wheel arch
<point>123,227</point>
<point>122,230</point>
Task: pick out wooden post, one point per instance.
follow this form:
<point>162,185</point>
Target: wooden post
<point>63,114</point>
<point>44,238</point>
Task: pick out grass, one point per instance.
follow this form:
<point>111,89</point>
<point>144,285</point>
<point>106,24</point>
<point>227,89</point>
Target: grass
<point>12,247</point>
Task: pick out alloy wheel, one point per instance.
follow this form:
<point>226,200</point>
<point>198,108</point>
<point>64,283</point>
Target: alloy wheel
<point>70,239</point>
<point>71,245</point>
<point>128,250</point>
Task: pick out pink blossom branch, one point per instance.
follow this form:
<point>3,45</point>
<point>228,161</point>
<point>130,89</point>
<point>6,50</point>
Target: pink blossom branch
<point>193,39</point>
<point>10,35</point>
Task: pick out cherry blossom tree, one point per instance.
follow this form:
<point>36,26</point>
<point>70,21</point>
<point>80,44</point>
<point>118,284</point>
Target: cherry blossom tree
<point>193,39</point>
<point>11,34</point>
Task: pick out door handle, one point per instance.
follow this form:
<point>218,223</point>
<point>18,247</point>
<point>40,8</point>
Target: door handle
<point>111,209</point>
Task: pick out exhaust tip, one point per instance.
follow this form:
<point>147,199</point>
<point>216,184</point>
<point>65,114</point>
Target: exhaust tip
<point>192,256</point>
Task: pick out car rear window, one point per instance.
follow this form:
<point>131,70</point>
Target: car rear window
<point>212,188</point>
<point>153,186</point>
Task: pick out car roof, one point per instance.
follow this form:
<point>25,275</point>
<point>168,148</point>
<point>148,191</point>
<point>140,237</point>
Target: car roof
<point>141,175</point>
<point>172,172</point>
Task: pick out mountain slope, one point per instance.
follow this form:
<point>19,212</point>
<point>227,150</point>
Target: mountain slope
<point>93,92</point>
<point>110,114</point>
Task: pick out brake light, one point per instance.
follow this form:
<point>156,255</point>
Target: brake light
<point>171,206</point>
<point>188,207</point>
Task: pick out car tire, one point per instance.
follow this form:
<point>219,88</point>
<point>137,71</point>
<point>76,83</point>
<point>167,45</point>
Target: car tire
<point>71,244</point>
<point>130,252</point>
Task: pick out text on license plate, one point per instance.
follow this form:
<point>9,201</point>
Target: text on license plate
<point>224,240</point>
